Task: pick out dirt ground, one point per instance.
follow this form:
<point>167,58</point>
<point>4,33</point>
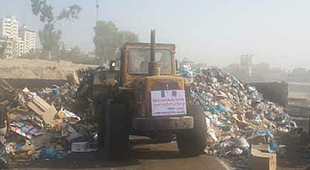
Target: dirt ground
<point>37,69</point>
<point>144,155</point>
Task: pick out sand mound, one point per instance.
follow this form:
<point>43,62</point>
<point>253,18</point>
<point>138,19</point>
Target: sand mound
<point>41,69</point>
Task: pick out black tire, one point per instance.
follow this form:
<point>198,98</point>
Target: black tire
<point>192,142</point>
<point>162,138</point>
<point>100,111</point>
<point>116,136</point>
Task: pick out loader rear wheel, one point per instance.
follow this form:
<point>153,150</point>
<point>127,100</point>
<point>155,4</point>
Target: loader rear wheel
<point>192,142</point>
<point>116,136</point>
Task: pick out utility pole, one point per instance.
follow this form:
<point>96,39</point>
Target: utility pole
<point>25,11</point>
<point>97,11</point>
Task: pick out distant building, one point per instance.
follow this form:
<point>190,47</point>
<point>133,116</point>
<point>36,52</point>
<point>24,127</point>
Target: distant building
<point>91,55</point>
<point>19,41</point>
<point>9,35</point>
<point>9,27</point>
<point>10,44</point>
<point>28,38</point>
<point>20,46</point>
<point>246,66</point>
<point>187,64</point>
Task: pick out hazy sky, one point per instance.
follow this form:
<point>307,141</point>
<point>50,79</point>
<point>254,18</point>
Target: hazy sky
<point>213,31</point>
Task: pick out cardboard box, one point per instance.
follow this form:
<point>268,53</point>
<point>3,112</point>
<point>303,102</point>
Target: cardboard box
<point>262,147</point>
<point>73,79</point>
<point>43,109</point>
<point>262,160</point>
<point>80,147</point>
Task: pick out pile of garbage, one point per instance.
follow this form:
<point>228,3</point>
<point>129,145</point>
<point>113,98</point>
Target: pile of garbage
<point>39,124</point>
<point>237,115</point>
<point>53,122</point>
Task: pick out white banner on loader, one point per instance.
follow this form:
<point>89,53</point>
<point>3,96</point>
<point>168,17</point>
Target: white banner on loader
<point>168,102</point>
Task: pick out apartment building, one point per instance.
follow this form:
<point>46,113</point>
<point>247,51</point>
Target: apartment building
<point>9,27</point>
<point>20,41</point>
<point>28,39</point>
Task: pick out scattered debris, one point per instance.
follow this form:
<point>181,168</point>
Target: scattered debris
<point>39,126</point>
<point>242,115</point>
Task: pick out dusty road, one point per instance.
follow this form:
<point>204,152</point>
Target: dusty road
<point>144,156</point>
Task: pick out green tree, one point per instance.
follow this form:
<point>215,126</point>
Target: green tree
<point>49,36</point>
<point>75,55</point>
<point>108,40</point>
<point>76,51</point>
<point>3,46</point>
<point>127,36</point>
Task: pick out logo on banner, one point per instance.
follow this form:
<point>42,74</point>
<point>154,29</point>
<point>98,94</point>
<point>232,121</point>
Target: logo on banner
<point>162,94</point>
<point>174,93</point>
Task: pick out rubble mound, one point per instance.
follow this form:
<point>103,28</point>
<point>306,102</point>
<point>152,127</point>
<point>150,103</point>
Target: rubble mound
<point>37,69</point>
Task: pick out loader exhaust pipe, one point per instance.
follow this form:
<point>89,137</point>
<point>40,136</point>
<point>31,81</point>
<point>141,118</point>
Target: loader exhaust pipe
<point>152,45</point>
<point>153,68</point>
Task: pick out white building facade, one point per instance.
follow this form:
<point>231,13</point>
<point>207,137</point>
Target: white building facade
<point>28,38</point>
<point>9,27</point>
<point>20,41</point>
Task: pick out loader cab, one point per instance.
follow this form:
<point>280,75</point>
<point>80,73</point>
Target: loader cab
<point>135,60</point>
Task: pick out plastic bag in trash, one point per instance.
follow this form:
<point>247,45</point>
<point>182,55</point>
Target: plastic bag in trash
<point>273,146</point>
<point>73,133</point>
<point>237,151</point>
<point>266,133</point>
<point>211,133</point>
<point>218,109</point>
<point>50,153</point>
<point>69,115</point>
<point>257,117</point>
<point>243,143</point>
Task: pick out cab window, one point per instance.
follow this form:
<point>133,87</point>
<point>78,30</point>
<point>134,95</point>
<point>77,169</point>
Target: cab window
<point>139,61</point>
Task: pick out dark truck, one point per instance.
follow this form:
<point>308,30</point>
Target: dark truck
<point>274,91</point>
<point>292,96</point>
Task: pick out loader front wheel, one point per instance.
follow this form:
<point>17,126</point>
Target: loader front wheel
<point>192,142</point>
<point>116,135</point>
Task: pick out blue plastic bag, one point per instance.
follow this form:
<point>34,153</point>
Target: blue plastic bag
<point>272,147</point>
<point>49,153</point>
<point>218,109</point>
<point>264,133</point>
<point>257,118</point>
